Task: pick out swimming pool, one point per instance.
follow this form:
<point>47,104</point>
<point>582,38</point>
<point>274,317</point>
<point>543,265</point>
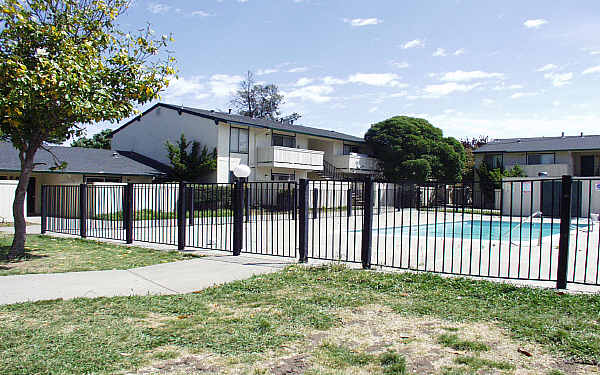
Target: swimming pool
<point>473,229</point>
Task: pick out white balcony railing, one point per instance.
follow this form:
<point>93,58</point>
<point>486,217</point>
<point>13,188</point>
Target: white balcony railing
<point>286,157</point>
<point>355,163</point>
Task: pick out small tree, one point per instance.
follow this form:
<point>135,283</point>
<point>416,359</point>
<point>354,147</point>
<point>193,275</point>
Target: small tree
<point>413,149</point>
<point>193,164</point>
<point>65,64</point>
<point>260,101</point>
<point>100,140</point>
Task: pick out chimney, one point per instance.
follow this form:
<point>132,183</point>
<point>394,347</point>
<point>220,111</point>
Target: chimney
<point>563,135</point>
<point>582,134</point>
<point>229,110</point>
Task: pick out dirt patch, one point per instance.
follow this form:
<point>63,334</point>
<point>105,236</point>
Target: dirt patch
<point>374,330</point>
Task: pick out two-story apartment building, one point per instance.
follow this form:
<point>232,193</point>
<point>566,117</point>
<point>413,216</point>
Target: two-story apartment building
<point>275,151</point>
<point>545,156</point>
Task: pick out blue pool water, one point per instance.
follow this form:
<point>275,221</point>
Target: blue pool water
<point>477,230</point>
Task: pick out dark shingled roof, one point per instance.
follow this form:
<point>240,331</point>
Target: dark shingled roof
<point>79,160</point>
<point>269,124</point>
<point>587,142</point>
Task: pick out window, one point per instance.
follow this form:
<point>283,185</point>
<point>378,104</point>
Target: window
<point>238,141</point>
<point>534,159</point>
<point>494,161</point>
<point>282,177</point>
<point>90,180</point>
<point>349,149</point>
<point>3,177</point>
<point>283,140</point>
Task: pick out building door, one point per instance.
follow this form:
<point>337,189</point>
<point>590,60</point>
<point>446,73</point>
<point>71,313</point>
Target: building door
<point>551,194</point>
<point>31,197</point>
<point>587,166</point>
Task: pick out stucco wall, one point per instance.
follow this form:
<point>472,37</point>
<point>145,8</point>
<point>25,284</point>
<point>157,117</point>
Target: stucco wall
<point>7,194</point>
<point>148,136</point>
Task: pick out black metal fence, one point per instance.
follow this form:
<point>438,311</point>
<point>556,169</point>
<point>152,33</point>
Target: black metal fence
<point>527,229</point>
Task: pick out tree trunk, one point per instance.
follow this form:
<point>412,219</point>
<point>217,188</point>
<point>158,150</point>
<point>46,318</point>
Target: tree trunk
<point>17,249</point>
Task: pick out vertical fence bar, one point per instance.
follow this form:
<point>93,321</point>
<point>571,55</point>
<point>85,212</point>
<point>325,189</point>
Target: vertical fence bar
<point>83,210</point>
<point>565,224</point>
<point>367,230</point>
<point>190,204</point>
<point>349,203</point>
<point>128,212</point>
<point>315,213</point>
<point>181,210</point>
<point>44,211</point>
<point>303,221</point>
<point>238,217</point>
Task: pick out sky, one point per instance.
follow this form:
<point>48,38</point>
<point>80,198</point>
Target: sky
<point>481,67</point>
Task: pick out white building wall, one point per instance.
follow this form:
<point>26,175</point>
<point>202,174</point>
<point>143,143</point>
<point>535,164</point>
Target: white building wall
<point>7,192</point>
<point>148,136</point>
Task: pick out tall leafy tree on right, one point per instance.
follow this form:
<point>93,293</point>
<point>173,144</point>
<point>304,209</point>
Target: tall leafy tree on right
<point>412,149</point>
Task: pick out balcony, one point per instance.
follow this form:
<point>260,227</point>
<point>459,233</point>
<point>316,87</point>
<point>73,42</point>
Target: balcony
<point>355,163</point>
<point>553,170</point>
<point>293,158</point>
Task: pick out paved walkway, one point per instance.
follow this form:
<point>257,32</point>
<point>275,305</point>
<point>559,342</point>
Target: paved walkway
<point>167,278</point>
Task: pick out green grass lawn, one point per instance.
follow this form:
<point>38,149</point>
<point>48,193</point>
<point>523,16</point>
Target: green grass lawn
<point>45,254</point>
<point>325,320</point>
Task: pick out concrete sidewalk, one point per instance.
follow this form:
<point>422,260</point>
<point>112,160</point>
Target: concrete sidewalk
<point>167,278</point>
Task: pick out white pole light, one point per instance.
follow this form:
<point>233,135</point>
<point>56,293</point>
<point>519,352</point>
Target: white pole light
<point>241,171</point>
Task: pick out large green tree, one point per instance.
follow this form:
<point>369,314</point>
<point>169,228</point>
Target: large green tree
<point>65,64</point>
<point>413,149</point>
<point>189,160</point>
<point>99,140</point>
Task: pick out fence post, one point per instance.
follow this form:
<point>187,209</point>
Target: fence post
<point>565,224</point>
<point>315,213</point>
<point>83,210</point>
<point>190,205</point>
<point>238,217</point>
<point>247,202</point>
<point>181,222</point>
<point>128,212</point>
<point>367,231</point>
<point>44,211</point>
<point>303,221</point>
<point>349,203</point>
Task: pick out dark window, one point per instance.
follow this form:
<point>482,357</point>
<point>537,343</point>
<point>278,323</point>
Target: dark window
<point>283,140</point>
<point>239,140</point>
<point>3,177</point>
<point>349,149</point>
<point>90,180</point>
<point>494,161</point>
<point>535,159</point>
<point>282,177</point>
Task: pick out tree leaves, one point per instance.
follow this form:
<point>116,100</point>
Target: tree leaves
<point>413,149</point>
<point>193,164</point>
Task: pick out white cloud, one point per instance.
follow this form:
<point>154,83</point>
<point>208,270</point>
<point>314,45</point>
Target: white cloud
<point>223,84</point>
<point>262,72</point>
<point>158,8</point>
<point>413,44</point>
<point>546,68</point>
<point>333,81</point>
<point>518,95</point>
<point>400,64</point>
<point>558,79</point>
<point>502,87</point>
<point>315,93</point>
<point>593,69</point>
<point>182,87</point>
<point>534,24</point>
<point>440,52</point>
<point>373,109</point>
<point>304,81</point>
<point>447,88</point>
<point>487,101</point>
<point>300,69</point>
<point>460,51</point>
<point>462,76</point>
<point>375,79</point>
<point>358,22</point>
<point>201,13</point>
